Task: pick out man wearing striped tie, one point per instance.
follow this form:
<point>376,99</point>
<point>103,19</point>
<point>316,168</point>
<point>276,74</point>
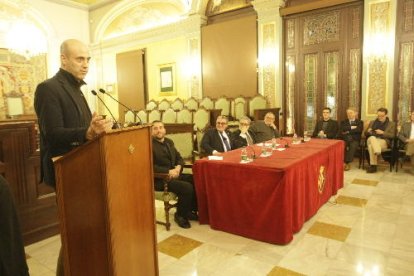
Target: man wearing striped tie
<point>244,136</point>
<point>217,140</point>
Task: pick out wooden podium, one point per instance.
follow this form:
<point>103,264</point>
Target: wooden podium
<point>106,205</point>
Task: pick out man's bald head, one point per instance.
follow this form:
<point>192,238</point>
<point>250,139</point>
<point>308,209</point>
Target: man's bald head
<point>74,58</point>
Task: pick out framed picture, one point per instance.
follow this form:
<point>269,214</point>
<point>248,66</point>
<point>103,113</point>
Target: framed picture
<point>167,79</point>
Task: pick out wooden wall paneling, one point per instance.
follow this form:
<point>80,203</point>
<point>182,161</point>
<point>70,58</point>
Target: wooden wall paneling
<point>35,201</point>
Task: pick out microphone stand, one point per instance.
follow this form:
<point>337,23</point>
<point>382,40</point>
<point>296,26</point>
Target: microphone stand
<point>129,109</point>
<point>116,124</point>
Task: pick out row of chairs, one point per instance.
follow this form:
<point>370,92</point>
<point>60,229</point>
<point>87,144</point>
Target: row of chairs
<point>232,107</point>
<point>395,155</point>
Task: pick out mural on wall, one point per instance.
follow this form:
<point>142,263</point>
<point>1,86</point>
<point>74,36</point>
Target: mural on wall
<point>18,80</point>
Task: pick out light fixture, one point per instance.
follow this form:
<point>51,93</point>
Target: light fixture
<point>25,38</point>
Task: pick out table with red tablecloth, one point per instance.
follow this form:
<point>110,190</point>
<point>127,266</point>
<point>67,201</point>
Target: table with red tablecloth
<point>270,198</point>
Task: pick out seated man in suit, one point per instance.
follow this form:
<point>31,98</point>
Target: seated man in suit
<point>243,136</point>
<point>217,140</point>
<point>406,136</point>
<point>12,256</point>
<point>167,159</point>
<point>326,128</point>
<point>350,131</point>
<point>379,134</point>
<point>265,130</point>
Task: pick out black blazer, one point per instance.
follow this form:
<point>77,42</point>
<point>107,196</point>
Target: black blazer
<point>62,121</point>
<point>347,134</point>
<point>331,131</point>
<point>211,141</point>
<point>164,157</point>
<point>239,141</point>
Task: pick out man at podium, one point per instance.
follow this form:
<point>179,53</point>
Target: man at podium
<point>167,159</point>
<point>65,120</point>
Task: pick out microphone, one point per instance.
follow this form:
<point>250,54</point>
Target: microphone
<point>115,125</point>
<point>128,108</point>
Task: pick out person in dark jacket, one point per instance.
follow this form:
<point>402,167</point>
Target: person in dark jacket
<point>12,256</point>
<point>65,120</point>
<point>168,160</point>
<point>379,134</point>
<point>326,128</point>
<point>243,136</point>
<point>265,130</point>
<point>217,140</point>
<point>350,131</point>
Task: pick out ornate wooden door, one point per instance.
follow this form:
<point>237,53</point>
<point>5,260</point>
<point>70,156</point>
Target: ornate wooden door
<point>322,54</point>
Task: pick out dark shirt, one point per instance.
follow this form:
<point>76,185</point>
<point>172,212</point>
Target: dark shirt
<point>329,127</point>
<point>165,155</point>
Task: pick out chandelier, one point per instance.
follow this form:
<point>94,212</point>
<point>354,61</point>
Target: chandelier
<point>25,38</point>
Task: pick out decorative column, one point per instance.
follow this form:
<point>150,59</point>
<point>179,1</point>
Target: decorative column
<point>270,50</point>
<point>378,61</point>
<point>194,56</point>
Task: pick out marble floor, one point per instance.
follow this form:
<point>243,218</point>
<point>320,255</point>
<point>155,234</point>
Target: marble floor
<point>366,229</point>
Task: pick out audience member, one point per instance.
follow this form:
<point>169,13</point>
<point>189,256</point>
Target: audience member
<point>379,134</point>
<point>217,140</point>
<point>406,136</point>
<point>326,128</point>
<point>12,256</point>
<point>265,130</point>
<point>243,136</point>
<point>167,159</point>
<point>350,131</point>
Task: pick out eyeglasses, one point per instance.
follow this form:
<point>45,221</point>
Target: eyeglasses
<point>221,123</point>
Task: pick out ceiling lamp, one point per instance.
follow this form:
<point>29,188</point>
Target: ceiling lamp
<point>25,38</point>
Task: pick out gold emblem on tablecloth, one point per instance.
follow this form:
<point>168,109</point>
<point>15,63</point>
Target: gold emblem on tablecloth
<point>321,179</point>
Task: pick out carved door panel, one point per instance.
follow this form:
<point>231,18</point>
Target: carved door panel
<point>404,72</point>
<point>322,65</point>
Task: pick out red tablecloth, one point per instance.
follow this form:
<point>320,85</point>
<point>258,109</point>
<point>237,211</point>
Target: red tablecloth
<point>270,198</point>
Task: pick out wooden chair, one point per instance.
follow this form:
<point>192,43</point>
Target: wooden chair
<point>185,116</point>
<point>401,156</point>
<point>257,102</point>
<point>183,137</point>
<point>191,104</point>
<point>177,104</point>
<point>224,104</point>
<point>169,116</point>
<point>169,199</point>
<point>207,103</point>
<point>239,107</point>
<point>201,119</point>
<point>142,115</point>
<point>151,105</point>
<point>154,115</point>
<point>164,105</point>
<point>129,117</point>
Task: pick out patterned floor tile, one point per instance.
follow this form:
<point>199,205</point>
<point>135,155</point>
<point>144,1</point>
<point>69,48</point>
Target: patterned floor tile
<point>365,182</point>
<point>177,246</point>
<point>353,201</point>
<point>280,271</point>
<point>329,231</point>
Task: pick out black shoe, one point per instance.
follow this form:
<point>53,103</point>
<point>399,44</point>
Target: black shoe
<point>182,222</point>
<point>192,216</point>
<point>372,169</point>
